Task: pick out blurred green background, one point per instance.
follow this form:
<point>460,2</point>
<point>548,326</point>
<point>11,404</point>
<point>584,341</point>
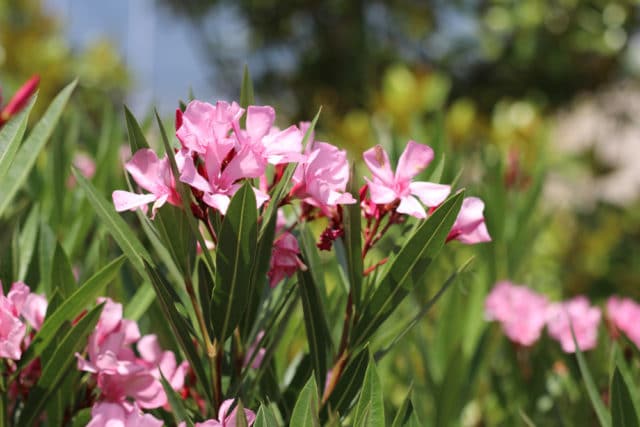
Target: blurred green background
<point>535,102</point>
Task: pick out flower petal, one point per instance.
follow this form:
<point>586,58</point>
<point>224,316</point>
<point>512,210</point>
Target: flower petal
<point>124,200</point>
<point>411,206</point>
<point>429,193</point>
<point>413,160</point>
<point>377,161</point>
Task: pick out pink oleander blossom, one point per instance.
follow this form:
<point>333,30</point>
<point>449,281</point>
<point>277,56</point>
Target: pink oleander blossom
<point>520,311</point>
<point>122,375</point>
<point>469,227</point>
<point>19,100</point>
<point>284,258</point>
<point>624,315</point>
<point>12,329</point>
<point>152,174</point>
<point>203,126</point>
<point>34,310</point>
<point>321,180</point>
<point>122,414</point>
<point>226,419</point>
<point>387,187</point>
<point>578,313</point>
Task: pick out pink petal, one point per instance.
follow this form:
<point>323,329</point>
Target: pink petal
<point>429,193</point>
<point>413,160</point>
<point>190,175</point>
<point>409,205</point>
<point>124,200</point>
<point>377,161</point>
<point>380,193</point>
<point>259,121</point>
<point>146,169</point>
<point>218,201</point>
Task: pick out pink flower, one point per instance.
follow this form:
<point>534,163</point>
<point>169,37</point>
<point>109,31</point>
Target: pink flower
<point>255,357</point>
<point>520,311</point>
<point>19,100</point>
<point>322,179</point>
<point>123,414</point>
<point>387,187</point>
<point>152,174</point>
<point>34,310</point>
<point>204,125</point>
<point>12,329</point>
<point>284,258</point>
<point>225,420</point>
<point>469,226</point>
<point>85,164</point>
<point>584,318</point>
<point>157,360</point>
<point>269,143</point>
<point>624,314</point>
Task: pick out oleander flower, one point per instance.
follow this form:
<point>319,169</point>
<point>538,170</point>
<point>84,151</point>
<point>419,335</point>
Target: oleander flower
<point>284,258</point>
<point>469,227</point>
<point>19,99</point>
<point>387,187</point>
<point>584,318</point>
<point>520,311</point>
<point>152,174</point>
<point>12,328</point>
<point>226,418</point>
<point>122,414</point>
<point>624,314</point>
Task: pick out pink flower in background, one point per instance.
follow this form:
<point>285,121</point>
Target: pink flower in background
<point>578,313</point>
<point>152,174</point>
<point>34,310</point>
<point>255,357</point>
<point>284,258</point>
<point>387,187</point>
<point>85,164</point>
<point>12,329</point>
<point>123,414</point>
<point>624,314</point>
<point>321,180</point>
<point>469,227</point>
<point>520,311</point>
<point>226,419</point>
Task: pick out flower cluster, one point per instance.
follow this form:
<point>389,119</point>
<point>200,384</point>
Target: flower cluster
<point>523,314</point>
<point>217,152</point>
<point>19,308</point>
<point>121,374</point>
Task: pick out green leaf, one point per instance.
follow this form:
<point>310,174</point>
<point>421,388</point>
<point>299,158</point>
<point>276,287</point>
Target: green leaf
<point>369,410</point>
<point>241,417</point>
<point>623,412</point>
<point>178,410</point>
<point>350,382</point>
<point>140,302</point>
<point>265,417</point>
<point>27,154</point>
<point>407,268</point>
<point>404,413</point>
<point>305,412</point>
<point>173,225</point>
<point>11,136</point>
<point>28,239</point>
<point>235,256</point>
<point>119,229</point>
<point>246,91</point>
<point>628,378</point>
<point>137,141</point>
<point>182,329</point>
<point>281,189</point>
<point>70,309</point>
<point>61,274</point>
<point>592,391</point>
<point>56,367</point>
<point>353,243</point>
<point>315,324</point>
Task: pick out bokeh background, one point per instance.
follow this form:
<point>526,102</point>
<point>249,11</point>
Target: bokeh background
<point>534,104</point>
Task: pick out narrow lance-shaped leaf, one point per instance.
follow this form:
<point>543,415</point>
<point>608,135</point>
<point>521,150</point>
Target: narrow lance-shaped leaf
<point>369,410</point>
<point>265,417</point>
<point>55,368</point>
<point>404,413</point>
<point>118,228</point>
<point>350,382</point>
<point>11,136</point>
<point>28,239</point>
<point>27,154</point>
<point>235,256</point>
<point>592,391</point>
<point>315,324</point>
<point>175,402</point>
<point>305,412</point>
<point>70,309</point>
<point>623,412</point>
<point>407,268</point>
<point>246,91</point>
<point>61,274</point>
<point>353,243</point>
<point>137,141</point>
